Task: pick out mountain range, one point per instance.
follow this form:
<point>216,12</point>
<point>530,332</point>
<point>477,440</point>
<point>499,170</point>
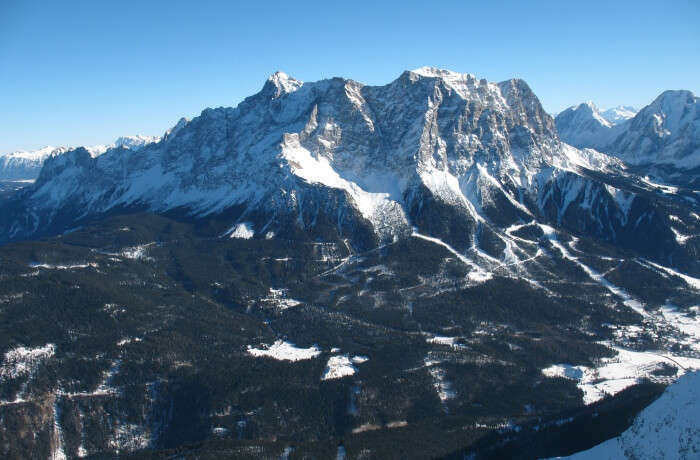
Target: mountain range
<point>662,139</point>
<point>331,268</point>
<point>363,160</point>
<point>25,166</point>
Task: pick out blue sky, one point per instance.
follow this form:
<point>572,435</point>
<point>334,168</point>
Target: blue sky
<point>80,73</point>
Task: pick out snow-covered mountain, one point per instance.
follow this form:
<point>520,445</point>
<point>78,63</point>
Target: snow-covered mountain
<point>585,125</point>
<point>619,114</point>
<point>134,142</point>
<point>23,165</point>
<point>666,132</point>
<point>435,152</point>
<point>26,165</point>
<point>667,429</point>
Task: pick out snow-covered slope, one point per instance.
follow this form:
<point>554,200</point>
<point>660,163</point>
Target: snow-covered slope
<point>23,165</point>
<point>668,429</point>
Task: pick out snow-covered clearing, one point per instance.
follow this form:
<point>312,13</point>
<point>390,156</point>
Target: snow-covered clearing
<point>625,369</point>
<point>63,267</point>
<point>22,361</point>
<point>442,386</point>
<point>338,367</point>
<point>136,252</point>
<point>279,300</point>
<point>284,351</point>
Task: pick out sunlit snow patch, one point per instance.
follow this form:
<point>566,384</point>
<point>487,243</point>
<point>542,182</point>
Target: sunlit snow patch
<point>243,230</point>
<point>63,267</point>
<point>136,252</point>
<point>128,340</point>
<point>442,340</point>
<point>443,388</point>
<point>680,238</point>
<point>22,361</point>
<point>664,188</point>
<point>284,351</point>
<point>338,367</point>
<point>278,298</point>
<point>385,214</point>
<point>341,366</point>
<point>219,431</point>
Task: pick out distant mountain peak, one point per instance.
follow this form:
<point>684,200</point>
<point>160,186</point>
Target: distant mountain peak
<point>283,83</point>
<point>619,114</point>
<point>25,165</point>
<point>135,141</point>
<point>32,155</point>
<point>606,117</point>
<point>592,110</point>
<point>665,132</point>
<point>583,125</point>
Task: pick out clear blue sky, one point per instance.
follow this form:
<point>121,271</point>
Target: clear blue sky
<point>80,73</point>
